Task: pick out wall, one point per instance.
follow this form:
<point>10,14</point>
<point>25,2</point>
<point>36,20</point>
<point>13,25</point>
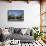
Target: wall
<point>31,14</point>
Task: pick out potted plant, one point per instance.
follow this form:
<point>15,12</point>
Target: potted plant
<point>37,33</point>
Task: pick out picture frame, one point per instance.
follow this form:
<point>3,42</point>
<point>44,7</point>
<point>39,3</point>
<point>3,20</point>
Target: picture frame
<point>15,15</point>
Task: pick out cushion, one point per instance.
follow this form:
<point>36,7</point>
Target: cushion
<point>17,30</point>
<point>5,32</point>
<point>24,30</point>
<point>11,30</point>
<point>28,31</point>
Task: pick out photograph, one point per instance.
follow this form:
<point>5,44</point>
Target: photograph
<point>15,15</point>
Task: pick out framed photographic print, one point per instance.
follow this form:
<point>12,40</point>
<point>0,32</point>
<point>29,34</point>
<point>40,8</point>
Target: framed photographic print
<point>15,15</point>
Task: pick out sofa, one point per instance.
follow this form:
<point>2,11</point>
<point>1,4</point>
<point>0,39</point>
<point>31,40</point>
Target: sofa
<point>22,34</point>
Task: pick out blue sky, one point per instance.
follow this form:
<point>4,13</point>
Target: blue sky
<point>15,12</point>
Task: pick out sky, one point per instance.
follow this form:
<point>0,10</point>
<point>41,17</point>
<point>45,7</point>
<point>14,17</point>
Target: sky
<point>15,12</point>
